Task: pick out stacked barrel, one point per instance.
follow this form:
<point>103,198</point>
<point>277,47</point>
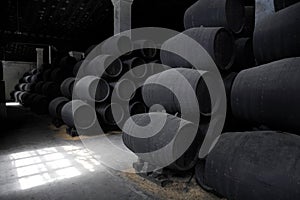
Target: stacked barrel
<point>249,165</point>
<point>216,25</point>
<point>98,78</point>
<point>260,69</point>
<point>38,87</point>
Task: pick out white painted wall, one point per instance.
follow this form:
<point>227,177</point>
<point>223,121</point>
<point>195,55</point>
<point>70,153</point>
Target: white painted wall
<point>12,72</point>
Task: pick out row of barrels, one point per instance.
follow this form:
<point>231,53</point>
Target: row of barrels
<point>241,165</point>
<point>100,77</point>
<point>255,97</point>
<point>99,101</point>
<point>262,164</point>
<point>41,85</point>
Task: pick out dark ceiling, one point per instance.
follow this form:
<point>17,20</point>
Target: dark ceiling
<point>74,24</point>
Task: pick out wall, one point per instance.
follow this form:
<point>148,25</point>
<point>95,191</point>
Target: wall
<point>12,72</point>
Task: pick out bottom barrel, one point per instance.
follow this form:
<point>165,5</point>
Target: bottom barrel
<point>78,114</point>
<point>253,165</point>
<point>163,140</point>
<point>56,106</point>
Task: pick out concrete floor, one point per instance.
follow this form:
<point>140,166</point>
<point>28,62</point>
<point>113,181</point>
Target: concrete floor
<point>35,164</point>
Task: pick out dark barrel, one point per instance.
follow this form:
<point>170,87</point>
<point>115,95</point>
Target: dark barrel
<point>21,86</point>
<point>105,66</point>
<point>116,45</point>
<point>23,97</point>
<point>77,67</point>
<point>27,79</point>
<point>40,104</point>
<point>104,112</point>
<point>147,48</point>
<point>78,113</point>
<point>167,146</point>
<point>92,88</point>
<point>248,28</point>
<point>131,65</point>
<point>66,88</point>
<point>26,99</point>
<point>51,89</point>
<point>29,87</point>
<point>124,89</point>
<point>33,71</point>
<point>217,41</point>
<point>44,67</point>
<point>277,35</point>
<point>36,78</point>
<point>67,63</point>
<point>155,93</point>
<point>281,4</point>
<point>137,108</point>
<point>56,106</point>
<point>253,165</point>
<point>269,95</point>
<point>216,13</point>
<point>244,54</point>
<point>57,75</point>
<point>39,87</point>
<point>16,96</point>
<point>47,74</point>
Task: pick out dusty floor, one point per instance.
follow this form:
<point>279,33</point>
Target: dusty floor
<point>38,161</point>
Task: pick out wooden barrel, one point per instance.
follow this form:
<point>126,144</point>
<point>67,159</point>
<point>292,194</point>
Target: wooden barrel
<point>268,95</point>
<point>56,106</point>
<point>116,45</point>
<point>104,112</point>
<point>147,48</point>
<point>27,79</point>
<point>33,71</point>
<point>47,74</point>
<point>51,89</point>
<point>105,66</point>
<point>154,93</point>
<point>26,99</point>
<point>253,165</point>
<point>39,87</point>
<point>167,146</point>
<point>67,63</point>
<point>16,96</point>
<point>277,35</point>
<point>123,89</point>
<point>66,88</point>
<point>244,54</point>
<point>217,41</point>
<point>216,13</point>
<point>132,64</point>
<point>36,78</point>
<point>57,75</point>
<point>78,114</point>
<point>28,87</point>
<point>77,67</point>
<point>92,88</point>
<point>248,28</point>
<point>137,108</point>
